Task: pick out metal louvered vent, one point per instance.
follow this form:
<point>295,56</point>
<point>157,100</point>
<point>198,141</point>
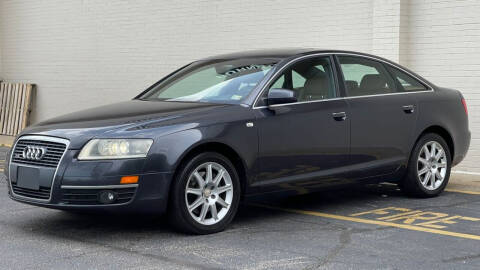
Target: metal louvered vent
<point>42,193</point>
<point>91,197</point>
<point>38,153</point>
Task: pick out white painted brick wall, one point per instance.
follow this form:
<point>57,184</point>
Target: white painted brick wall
<point>0,48</point>
<point>85,53</point>
<point>92,52</point>
<point>386,29</point>
<point>444,46</point>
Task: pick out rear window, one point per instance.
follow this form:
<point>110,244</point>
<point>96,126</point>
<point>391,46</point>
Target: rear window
<point>407,83</point>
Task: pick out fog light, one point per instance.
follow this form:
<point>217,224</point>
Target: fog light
<point>107,197</point>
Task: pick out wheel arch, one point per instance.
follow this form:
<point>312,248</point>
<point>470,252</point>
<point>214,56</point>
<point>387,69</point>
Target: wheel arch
<point>222,149</point>
<point>443,133</point>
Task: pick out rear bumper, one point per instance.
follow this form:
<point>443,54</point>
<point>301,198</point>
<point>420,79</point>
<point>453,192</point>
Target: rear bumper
<point>461,147</point>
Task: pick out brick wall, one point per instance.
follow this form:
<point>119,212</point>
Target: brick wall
<point>1,73</point>
<point>92,52</point>
<point>444,47</point>
<point>386,29</point>
<point>85,53</point>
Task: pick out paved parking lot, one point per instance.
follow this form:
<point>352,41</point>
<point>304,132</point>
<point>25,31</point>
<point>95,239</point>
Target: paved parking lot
<point>372,227</point>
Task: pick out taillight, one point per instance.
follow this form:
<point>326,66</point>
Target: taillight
<point>465,106</point>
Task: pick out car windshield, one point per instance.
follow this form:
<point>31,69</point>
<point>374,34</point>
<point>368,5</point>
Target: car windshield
<point>214,81</point>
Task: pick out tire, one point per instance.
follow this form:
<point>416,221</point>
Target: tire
<point>218,196</point>
<point>418,181</point>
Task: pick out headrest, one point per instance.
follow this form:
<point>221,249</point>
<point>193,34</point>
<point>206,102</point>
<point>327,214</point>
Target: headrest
<point>373,82</point>
<point>351,85</point>
<point>317,85</point>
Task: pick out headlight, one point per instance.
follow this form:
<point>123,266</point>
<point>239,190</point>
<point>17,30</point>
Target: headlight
<point>115,149</point>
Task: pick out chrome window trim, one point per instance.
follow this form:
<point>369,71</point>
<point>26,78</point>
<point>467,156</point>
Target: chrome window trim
<point>391,64</point>
<point>300,102</point>
<point>344,98</point>
<point>430,88</point>
<point>38,138</point>
<point>100,187</point>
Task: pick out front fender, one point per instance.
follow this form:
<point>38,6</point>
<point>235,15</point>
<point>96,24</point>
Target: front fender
<point>169,151</point>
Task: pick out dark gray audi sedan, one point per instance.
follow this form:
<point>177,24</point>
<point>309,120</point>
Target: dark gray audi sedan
<point>228,127</point>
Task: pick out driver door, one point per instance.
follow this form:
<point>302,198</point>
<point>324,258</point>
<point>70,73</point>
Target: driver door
<point>303,142</point>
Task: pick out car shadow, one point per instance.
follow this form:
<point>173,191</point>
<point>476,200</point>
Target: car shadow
<point>325,200</point>
<point>97,226</point>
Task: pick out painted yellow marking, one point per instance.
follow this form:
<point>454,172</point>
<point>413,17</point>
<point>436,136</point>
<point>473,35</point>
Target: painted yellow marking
<point>374,222</point>
<point>447,220</point>
<point>463,191</point>
<point>408,216</point>
<point>382,211</point>
<point>447,189</point>
<point>407,213</point>
<point>6,145</point>
<point>410,219</point>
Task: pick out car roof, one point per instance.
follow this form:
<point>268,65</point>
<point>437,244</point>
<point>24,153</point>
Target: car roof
<point>284,53</point>
<point>277,53</point>
<point>264,53</point>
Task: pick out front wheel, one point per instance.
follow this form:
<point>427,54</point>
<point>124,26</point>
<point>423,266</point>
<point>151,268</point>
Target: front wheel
<point>429,167</point>
<point>205,194</point>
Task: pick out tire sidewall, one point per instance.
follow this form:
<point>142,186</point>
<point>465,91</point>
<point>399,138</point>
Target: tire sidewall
<point>414,159</point>
<point>181,183</point>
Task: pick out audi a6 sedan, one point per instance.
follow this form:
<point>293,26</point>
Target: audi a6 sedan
<point>226,128</point>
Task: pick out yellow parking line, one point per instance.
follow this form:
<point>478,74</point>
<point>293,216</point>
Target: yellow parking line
<point>447,189</point>
<point>375,222</point>
<point>463,191</point>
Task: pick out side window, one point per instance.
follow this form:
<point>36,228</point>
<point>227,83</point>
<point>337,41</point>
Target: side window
<point>279,82</point>
<point>298,80</point>
<point>310,79</point>
<point>406,82</point>
<point>365,77</point>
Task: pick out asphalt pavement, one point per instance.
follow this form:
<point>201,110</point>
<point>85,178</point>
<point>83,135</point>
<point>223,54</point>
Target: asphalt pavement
<point>370,227</point>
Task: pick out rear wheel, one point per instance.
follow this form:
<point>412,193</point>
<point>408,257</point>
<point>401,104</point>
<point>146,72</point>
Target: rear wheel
<point>429,167</point>
<point>205,194</point>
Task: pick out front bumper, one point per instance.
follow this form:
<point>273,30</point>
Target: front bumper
<point>77,185</point>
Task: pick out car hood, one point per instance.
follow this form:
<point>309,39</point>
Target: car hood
<point>124,117</point>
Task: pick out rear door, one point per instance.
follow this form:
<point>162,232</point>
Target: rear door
<point>382,117</point>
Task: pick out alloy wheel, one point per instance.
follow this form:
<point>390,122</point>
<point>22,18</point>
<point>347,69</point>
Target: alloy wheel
<point>209,193</point>
<point>432,165</point>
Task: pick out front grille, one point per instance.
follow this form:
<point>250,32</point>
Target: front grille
<point>91,196</point>
<point>51,158</point>
<point>43,193</point>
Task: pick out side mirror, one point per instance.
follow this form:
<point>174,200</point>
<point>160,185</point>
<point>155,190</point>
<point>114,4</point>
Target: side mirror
<point>280,96</point>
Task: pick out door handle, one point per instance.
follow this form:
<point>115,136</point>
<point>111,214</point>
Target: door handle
<point>408,108</point>
<point>339,116</point>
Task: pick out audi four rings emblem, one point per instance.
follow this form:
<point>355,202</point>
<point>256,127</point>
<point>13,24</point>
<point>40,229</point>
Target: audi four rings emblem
<point>34,152</point>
